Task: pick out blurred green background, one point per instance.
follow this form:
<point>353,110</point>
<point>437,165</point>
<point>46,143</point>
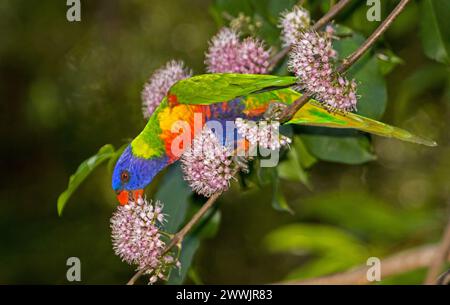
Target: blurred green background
<point>69,87</point>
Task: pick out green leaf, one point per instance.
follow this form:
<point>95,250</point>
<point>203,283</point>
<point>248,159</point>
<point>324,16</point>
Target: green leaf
<point>265,12</point>
<point>413,277</point>
<point>276,7</point>
<point>194,276</point>
<point>264,175</point>
<point>435,29</point>
<point>326,264</point>
<point>306,158</point>
<point>83,171</point>
<point>298,159</point>
<point>174,193</point>
<point>332,248</point>
<point>270,10</point>
<point>387,61</point>
<point>189,247</point>
<point>291,168</point>
<point>209,227</point>
<point>279,202</point>
<point>343,146</point>
<point>362,213</point>
<point>206,228</point>
<point>371,88</point>
<point>112,161</point>
<point>425,79</point>
<point>232,8</point>
<point>313,238</point>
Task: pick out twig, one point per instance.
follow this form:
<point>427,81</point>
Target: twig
<point>335,9</point>
<point>396,264</point>
<point>351,59</point>
<point>178,238</point>
<point>444,279</point>
<point>439,258</point>
<point>135,277</point>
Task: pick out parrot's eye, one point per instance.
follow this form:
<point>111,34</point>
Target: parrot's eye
<point>124,176</point>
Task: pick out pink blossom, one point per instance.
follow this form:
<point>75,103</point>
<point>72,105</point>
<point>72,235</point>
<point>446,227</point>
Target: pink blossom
<point>207,165</point>
<point>137,239</point>
<point>312,61</point>
<point>228,54</point>
<point>292,24</point>
<point>159,84</point>
<point>262,133</point>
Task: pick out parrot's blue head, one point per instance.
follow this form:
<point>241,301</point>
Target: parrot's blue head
<point>132,174</point>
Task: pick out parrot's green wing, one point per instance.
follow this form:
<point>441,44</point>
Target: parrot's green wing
<point>215,88</point>
<point>314,114</point>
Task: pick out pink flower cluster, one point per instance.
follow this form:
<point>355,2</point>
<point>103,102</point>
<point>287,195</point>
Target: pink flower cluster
<point>311,60</point>
<point>265,134</point>
<point>159,84</point>
<point>228,54</point>
<point>207,165</point>
<point>292,24</point>
<point>136,237</point>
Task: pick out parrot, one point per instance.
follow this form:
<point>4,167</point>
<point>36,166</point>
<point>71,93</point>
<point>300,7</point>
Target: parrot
<point>222,97</point>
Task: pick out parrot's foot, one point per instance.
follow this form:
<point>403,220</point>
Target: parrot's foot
<point>242,163</point>
<point>274,111</point>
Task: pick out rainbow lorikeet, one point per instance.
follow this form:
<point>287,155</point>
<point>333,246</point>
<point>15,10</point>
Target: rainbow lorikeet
<point>223,97</point>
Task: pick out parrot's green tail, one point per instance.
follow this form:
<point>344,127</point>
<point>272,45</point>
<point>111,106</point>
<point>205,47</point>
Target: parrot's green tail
<point>314,114</point>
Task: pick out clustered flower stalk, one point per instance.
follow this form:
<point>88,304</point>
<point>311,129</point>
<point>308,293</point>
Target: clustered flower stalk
<point>245,24</point>
<point>227,53</point>
<point>312,61</point>
<point>159,84</point>
<point>264,134</point>
<point>207,164</point>
<point>137,238</point>
<point>292,24</point>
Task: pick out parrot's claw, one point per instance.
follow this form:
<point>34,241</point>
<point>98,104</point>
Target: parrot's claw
<point>274,111</point>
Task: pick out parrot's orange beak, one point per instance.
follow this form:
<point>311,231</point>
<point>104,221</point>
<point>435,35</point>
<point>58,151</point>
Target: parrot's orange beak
<point>125,196</point>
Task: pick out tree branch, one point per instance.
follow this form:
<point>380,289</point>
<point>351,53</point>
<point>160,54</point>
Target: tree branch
<point>351,59</point>
<point>335,9</point>
<point>441,253</point>
<point>396,264</point>
<point>135,277</point>
<point>178,238</point>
